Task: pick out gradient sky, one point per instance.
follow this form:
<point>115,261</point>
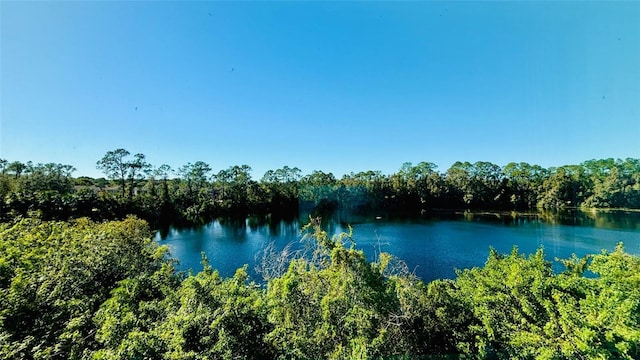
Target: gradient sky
<point>333,86</point>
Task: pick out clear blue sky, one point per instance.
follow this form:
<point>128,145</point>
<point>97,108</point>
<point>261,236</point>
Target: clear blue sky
<point>332,86</point>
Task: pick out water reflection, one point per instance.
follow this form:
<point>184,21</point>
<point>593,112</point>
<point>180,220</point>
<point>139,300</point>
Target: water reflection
<point>233,228</point>
<point>433,245</point>
<point>612,219</point>
<point>618,219</point>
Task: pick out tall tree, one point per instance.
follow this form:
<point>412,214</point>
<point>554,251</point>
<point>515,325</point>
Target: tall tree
<point>195,176</point>
<point>524,182</point>
<point>3,166</point>
<point>115,166</point>
<point>318,186</point>
<point>162,173</point>
<point>17,168</point>
<point>239,178</point>
<point>138,168</point>
<point>283,187</point>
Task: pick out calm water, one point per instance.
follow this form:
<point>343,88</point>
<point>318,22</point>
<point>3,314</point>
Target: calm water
<point>432,246</point>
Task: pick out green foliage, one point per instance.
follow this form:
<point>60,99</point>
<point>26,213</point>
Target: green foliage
<point>217,319</point>
<point>604,322</point>
<point>86,290</point>
<point>616,183</point>
<point>565,187</point>
<point>191,196</point>
<point>527,312</point>
<point>335,305</point>
<point>508,296</point>
<point>54,276</point>
<point>201,317</point>
<point>126,322</point>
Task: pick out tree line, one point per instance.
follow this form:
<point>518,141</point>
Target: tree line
<point>195,193</point>
<point>89,290</point>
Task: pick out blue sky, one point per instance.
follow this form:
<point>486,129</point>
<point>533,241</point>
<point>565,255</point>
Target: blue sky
<point>333,86</point>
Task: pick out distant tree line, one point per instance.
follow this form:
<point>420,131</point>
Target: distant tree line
<point>195,193</point>
<point>89,290</point>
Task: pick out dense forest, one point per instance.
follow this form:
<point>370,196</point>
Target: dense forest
<point>80,277</point>
<point>195,193</point>
<point>85,290</point>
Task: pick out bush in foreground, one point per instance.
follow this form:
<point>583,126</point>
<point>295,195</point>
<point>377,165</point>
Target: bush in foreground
<point>85,290</point>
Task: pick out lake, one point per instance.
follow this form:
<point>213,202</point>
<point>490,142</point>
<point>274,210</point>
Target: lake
<point>432,246</point>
